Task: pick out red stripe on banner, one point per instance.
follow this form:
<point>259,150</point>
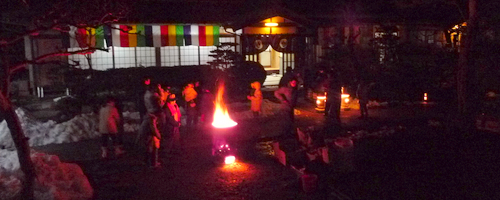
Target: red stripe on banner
<point>81,37</point>
<point>124,36</point>
<point>203,36</point>
<point>164,35</point>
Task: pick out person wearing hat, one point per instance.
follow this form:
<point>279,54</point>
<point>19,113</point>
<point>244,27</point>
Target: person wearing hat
<point>172,124</point>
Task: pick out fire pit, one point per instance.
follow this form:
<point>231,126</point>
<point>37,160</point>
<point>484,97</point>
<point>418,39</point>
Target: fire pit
<point>223,130</point>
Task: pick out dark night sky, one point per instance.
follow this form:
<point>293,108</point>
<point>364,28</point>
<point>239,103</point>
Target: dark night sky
<point>158,11</point>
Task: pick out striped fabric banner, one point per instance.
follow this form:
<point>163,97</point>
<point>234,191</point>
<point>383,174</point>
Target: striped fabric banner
<point>172,30</point>
<point>132,36</point>
<point>156,36</point>
<point>99,38</point>
<point>179,35</point>
<point>87,37</point>
<point>140,35</point>
<point>124,39</point>
<point>202,38</point>
<point>70,39</point>
<point>115,35</point>
<point>164,35</point>
<point>167,35</point>
<point>195,38</point>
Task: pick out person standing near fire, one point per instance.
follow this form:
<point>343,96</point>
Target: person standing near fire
<point>190,94</point>
<point>255,98</point>
<point>288,98</point>
<point>362,93</point>
<point>108,127</point>
<point>172,124</point>
<point>333,103</point>
<point>149,132</point>
<point>206,105</point>
<point>153,138</point>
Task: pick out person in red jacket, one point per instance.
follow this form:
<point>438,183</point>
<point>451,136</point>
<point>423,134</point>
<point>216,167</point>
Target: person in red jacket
<point>109,119</point>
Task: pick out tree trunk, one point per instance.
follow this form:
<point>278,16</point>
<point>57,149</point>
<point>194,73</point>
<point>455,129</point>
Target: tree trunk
<point>22,145</point>
<point>8,113</point>
<point>467,92</point>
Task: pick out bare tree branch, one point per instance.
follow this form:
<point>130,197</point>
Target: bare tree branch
<point>38,60</point>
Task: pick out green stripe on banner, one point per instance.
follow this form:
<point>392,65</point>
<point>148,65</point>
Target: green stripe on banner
<point>216,35</point>
<point>179,33</point>
<point>141,36</point>
<point>99,37</point>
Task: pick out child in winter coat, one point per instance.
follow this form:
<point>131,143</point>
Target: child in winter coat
<point>256,99</point>
<point>108,127</point>
<point>190,94</point>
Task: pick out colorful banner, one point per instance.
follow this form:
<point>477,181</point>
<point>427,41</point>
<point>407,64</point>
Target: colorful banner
<point>142,36</point>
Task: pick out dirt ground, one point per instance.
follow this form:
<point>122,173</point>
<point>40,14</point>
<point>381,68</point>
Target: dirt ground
<point>419,162</point>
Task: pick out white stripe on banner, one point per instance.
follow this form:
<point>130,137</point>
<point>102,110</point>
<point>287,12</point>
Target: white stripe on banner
<point>72,37</point>
<point>195,35</point>
<point>156,36</point>
<point>115,35</point>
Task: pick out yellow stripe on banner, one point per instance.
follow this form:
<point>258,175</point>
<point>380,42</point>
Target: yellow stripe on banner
<point>132,36</point>
<point>172,35</point>
<point>91,37</point>
<point>209,32</point>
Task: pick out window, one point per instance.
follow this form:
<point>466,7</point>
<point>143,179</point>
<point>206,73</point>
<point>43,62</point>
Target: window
<point>204,52</point>
<point>380,34</point>
<point>426,36</point>
<point>124,57</point>
<point>146,56</point>
<point>169,56</point>
<point>189,55</point>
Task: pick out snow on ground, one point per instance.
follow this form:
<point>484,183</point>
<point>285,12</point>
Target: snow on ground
<point>131,121</point>
<point>55,180</point>
<point>83,126</point>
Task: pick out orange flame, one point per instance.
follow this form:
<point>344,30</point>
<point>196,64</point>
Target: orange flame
<point>221,115</point>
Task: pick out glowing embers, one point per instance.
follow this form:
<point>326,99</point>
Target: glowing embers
<point>229,160</point>
<point>221,115</point>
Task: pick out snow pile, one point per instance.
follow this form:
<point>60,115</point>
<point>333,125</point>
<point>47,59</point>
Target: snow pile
<point>132,121</point>
<point>55,180</point>
<point>83,126</point>
<point>269,108</point>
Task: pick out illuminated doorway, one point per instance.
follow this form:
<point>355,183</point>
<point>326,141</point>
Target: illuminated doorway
<point>271,60</point>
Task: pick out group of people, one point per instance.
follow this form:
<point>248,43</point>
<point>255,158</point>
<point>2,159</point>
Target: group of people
<point>160,129</point>
<point>325,82</point>
<point>159,132</point>
<point>161,118</point>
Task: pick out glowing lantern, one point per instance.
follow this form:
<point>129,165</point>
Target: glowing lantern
<point>221,115</point>
<point>229,160</point>
<point>271,24</point>
<point>345,97</point>
<point>425,96</point>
